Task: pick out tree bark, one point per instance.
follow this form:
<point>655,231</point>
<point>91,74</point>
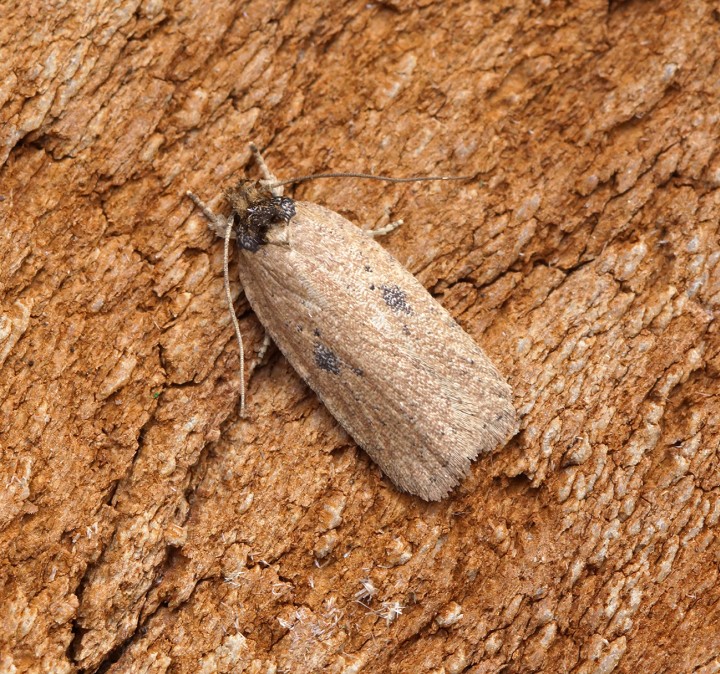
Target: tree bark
<point>145,527</point>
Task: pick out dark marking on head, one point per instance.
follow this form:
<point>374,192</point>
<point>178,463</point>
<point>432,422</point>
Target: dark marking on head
<point>406,330</point>
<point>372,286</point>
<point>316,332</point>
<point>358,371</point>
<point>326,360</point>
<point>368,267</point>
<point>256,210</point>
<point>396,299</point>
<point>284,207</point>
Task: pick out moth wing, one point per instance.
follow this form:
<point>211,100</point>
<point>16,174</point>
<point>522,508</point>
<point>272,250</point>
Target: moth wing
<point>390,364</point>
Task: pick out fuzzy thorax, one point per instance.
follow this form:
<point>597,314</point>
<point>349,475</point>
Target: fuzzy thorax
<point>257,210</point>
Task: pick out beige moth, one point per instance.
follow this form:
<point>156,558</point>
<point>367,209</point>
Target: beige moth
<point>408,384</point>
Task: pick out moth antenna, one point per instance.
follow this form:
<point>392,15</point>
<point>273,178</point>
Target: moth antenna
<point>236,325</point>
<point>368,176</point>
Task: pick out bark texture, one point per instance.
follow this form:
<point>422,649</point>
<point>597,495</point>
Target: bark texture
<point>144,527</point>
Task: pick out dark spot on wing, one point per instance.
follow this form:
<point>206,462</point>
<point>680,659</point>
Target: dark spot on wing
<point>316,332</point>
<point>368,268</point>
<point>326,360</point>
<point>358,371</point>
<point>396,299</point>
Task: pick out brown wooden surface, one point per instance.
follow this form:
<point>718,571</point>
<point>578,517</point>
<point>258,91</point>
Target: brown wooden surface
<point>145,528</point>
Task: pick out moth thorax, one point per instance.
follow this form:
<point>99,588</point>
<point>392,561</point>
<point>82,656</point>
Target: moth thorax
<point>257,210</point>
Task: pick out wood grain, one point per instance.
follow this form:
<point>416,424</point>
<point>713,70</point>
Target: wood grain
<point>144,527</point>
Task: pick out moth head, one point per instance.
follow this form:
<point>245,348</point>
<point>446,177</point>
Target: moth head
<point>257,210</point>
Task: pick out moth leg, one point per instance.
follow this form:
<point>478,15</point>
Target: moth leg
<point>268,177</point>
<point>260,356</point>
<point>218,223</point>
<point>381,231</point>
<point>385,229</point>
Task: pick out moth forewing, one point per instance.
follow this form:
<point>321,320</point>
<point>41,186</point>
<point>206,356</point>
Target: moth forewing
<point>390,364</point>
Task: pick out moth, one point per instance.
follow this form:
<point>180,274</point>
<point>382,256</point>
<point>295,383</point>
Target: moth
<point>408,384</point>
